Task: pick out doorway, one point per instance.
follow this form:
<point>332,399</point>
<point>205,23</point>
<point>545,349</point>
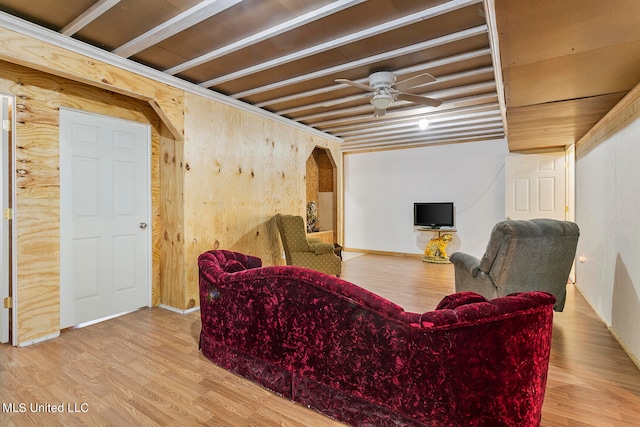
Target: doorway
<point>105,233</point>
<point>322,190</point>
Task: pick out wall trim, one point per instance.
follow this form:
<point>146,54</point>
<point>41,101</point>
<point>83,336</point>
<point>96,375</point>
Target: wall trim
<point>599,132</point>
<point>38,340</point>
<point>375,252</point>
<point>177,310</point>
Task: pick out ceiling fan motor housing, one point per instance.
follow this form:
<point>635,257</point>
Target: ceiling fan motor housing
<point>382,79</point>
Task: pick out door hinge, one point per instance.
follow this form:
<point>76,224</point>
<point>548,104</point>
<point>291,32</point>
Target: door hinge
<point>6,125</point>
<point>8,213</point>
<point>8,302</point>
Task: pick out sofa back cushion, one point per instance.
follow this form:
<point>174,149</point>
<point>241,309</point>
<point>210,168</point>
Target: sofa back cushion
<point>470,308</point>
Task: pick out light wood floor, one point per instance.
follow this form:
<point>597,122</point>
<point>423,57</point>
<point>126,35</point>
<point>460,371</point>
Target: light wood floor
<point>145,368</point>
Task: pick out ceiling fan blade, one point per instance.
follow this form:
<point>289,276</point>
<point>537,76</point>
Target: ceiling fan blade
<point>418,80</point>
<point>419,99</point>
<point>356,84</point>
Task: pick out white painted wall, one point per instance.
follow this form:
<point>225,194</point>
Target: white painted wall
<point>381,187</point>
<point>607,206</point>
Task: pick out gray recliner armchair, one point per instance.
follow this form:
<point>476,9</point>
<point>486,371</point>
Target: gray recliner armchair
<point>521,256</point>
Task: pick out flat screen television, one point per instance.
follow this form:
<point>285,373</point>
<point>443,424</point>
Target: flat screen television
<point>433,214</point>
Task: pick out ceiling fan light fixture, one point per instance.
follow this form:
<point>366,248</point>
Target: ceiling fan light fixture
<point>423,123</point>
<point>381,101</point>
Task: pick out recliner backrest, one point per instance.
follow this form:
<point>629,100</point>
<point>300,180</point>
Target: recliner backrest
<point>538,251</point>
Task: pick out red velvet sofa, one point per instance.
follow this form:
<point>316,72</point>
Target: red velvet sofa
<point>363,360</point>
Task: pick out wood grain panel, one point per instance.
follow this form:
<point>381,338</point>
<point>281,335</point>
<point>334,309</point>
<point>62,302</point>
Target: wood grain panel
<point>564,122</point>
<point>38,55</point>
<point>622,114</point>
<point>312,178</point>
<point>240,170</point>
<point>156,217</point>
<point>171,245</point>
<point>38,268</point>
<point>37,160</point>
<point>557,80</point>
<point>546,29</point>
<point>325,172</point>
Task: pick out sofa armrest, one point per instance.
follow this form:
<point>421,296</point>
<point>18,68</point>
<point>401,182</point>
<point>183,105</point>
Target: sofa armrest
<point>459,299</point>
<point>465,262</point>
<point>321,247</point>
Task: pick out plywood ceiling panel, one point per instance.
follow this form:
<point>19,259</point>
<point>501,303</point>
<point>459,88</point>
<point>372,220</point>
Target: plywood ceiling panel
<point>128,19</point>
<point>557,124</point>
<point>52,14</point>
<point>580,75</point>
<point>564,65</point>
<point>533,31</point>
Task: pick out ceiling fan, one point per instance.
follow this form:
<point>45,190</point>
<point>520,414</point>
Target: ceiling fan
<point>384,90</point>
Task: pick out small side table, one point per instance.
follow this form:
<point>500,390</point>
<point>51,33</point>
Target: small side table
<point>436,250</point>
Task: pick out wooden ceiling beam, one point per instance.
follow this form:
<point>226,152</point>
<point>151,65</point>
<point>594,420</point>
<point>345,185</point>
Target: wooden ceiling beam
<point>434,121</point>
<point>264,35</point>
<point>181,22</point>
<point>415,68</point>
<point>454,92</point>
<point>440,80</point>
<point>493,122</point>
<point>345,40</point>
<point>450,114</point>
<point>449,38</point>
<point>450,106</point>
<point>449,138</point>
<point>88,16</point>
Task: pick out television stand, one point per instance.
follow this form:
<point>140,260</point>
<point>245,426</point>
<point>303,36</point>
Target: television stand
<point>438,229</point>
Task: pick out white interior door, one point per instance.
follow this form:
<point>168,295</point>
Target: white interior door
<point>535,186</point>
<point>104,216</point>
<point>4,228</point>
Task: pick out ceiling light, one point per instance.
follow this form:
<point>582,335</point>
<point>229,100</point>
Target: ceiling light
<point>381,101</point>
<point>423,123</point>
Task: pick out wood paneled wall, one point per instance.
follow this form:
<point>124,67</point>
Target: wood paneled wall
<point>325,171</point>
<point>240,170</point>
<point>171,244</point>
<point>312,178</point>
<point>37,204</point>
<point>219,173</point>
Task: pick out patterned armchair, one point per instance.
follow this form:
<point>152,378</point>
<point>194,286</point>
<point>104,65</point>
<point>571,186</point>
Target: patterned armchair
<point>521,256</point>
<point>303,252</point>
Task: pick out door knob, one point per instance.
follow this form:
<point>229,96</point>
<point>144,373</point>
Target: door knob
<point>142,225</point>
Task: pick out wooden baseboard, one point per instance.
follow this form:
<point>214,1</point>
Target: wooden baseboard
<point>373,252</point>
